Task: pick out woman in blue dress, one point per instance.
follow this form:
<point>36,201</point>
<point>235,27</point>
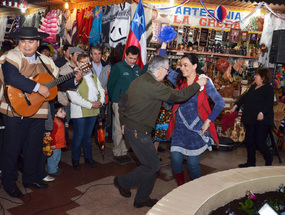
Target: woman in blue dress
<point>192,128</point>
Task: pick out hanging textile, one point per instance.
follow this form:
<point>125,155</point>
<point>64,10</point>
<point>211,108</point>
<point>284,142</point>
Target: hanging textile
<point>271,23</point>
<point>87,24</point>
<point>96,30</point>
<point>120,24</point>
<point>79,24</point>
<point>49,25</point>
<point>3,24</point>
<point>106,19</point>
<point>27,20</point>
<point>70,26</point>
<point>60,27</point>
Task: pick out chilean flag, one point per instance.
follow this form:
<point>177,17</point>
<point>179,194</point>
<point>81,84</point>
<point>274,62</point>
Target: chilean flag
<point>137,35</point>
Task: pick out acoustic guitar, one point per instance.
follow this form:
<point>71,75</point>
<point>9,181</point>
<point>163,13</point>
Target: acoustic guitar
<point>25,104</point>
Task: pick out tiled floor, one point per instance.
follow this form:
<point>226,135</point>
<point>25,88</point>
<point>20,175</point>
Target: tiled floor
<point>90,190</point>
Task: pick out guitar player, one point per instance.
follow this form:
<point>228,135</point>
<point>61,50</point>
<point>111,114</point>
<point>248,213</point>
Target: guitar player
<point>25,134</point>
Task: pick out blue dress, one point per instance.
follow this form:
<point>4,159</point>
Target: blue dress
<point>187,136</point>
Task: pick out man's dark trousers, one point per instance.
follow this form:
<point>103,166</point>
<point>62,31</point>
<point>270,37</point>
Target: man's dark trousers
<point>26,136</point>
<point>143,176</point>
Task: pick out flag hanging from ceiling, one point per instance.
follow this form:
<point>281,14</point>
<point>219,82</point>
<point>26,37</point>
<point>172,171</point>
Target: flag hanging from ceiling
<point>137,35</point>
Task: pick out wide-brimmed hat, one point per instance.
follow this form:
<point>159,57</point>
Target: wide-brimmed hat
<point>28,33</point>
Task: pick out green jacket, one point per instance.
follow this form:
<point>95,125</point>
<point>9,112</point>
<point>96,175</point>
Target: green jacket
<point>120,78</point>
<point>139,107</point>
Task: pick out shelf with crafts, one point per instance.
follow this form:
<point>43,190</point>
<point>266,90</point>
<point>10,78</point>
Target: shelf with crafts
<point>182,52</point>
<point>210,42</point>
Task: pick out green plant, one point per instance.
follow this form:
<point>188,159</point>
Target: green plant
<point>247,206</point>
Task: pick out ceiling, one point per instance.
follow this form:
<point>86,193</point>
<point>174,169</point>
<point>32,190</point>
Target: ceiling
<point>34,5</point>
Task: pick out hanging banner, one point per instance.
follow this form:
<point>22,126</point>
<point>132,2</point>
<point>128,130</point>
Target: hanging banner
<point>197,16</point>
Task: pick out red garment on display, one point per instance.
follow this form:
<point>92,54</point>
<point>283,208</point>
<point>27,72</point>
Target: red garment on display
<point>228,120</point>
<point>79,19</point>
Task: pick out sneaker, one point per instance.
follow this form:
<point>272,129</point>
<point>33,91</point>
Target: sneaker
<point>48,178</point>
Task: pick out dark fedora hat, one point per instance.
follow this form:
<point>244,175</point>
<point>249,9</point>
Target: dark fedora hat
<point>28,33</point>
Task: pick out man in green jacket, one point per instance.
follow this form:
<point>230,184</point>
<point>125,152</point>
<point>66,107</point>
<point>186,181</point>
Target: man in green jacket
<point>120,78</point>
<point>138,109</point>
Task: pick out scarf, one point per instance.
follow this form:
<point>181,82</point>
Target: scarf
<point>203,108</point>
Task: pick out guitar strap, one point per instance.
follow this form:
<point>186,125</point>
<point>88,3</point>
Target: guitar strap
<point>45,66</point>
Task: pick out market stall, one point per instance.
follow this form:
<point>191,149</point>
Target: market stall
<point>232,38</point>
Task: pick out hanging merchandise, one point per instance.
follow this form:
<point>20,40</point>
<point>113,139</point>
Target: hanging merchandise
<point>79,24</point>
<point>27,20</point>
<point>60,18</point>
<point>259,6</point>
<point>70,28</point>
<point>106,19</point>
<point>279,80</point>
<point>120,24</point>
<point>3,24</point>
<point>96,30</point>
<point>222,64</point>
<point>49,26</point>
<point>86,26</point>
<point>164,8</point>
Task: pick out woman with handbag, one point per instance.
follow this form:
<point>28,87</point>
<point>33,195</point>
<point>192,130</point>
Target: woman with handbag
<point>191,127</point>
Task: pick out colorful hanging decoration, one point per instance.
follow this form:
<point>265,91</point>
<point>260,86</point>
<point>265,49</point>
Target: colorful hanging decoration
<point>21,4</point>
<point>260,4</point>
<point>220,13</point>
<point>164,8</point>
<point>167,34</point>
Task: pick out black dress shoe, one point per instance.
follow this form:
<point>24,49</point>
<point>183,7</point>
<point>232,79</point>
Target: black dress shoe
<point>245,165</point>
<point>75,164</point>
<point>160,149</point>
<point>90,162</point>
<point>38,185</point>
<point>125,193</point>
<point>15,192</point>
<point>150,203</point>
<point>125,159</point>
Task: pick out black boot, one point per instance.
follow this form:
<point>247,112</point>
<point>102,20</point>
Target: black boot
<point>246,165</point>
<point>76,165</point>
<point>90,162</point>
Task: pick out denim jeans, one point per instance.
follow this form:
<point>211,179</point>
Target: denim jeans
<point>82,133</point>
<point>192,164</point>
<point>53,161</point>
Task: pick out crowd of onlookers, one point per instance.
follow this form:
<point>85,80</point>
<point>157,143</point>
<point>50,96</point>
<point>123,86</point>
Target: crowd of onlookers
<point>142,106</point>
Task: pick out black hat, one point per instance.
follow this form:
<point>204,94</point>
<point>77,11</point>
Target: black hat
<point>28,33</point>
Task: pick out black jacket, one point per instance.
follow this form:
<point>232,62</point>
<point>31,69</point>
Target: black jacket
<point>255,101</point>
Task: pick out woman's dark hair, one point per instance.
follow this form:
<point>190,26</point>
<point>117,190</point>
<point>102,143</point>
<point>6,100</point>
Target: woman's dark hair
<point>265,74</point>
<point>116,54</point>
<point>194,60</point>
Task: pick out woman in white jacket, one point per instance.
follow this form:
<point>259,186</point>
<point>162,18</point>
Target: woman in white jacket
<point>85,106</point>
